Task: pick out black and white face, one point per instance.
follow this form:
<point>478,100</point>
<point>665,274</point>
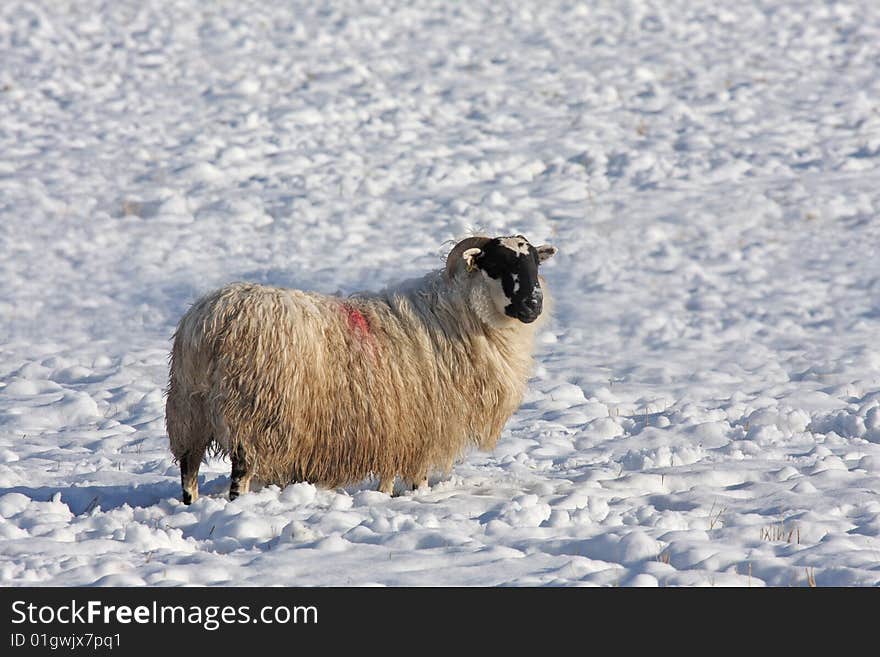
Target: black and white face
<point>509,266</point>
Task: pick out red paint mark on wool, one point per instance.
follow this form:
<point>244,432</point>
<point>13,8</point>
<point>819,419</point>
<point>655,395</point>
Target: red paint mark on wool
<point>360,329</point>
<point>356,320</point>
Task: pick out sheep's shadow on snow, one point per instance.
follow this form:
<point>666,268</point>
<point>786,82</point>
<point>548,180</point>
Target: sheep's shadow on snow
<point>84,499</point>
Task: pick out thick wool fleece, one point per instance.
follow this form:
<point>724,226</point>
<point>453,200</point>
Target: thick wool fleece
<point>329,390</point>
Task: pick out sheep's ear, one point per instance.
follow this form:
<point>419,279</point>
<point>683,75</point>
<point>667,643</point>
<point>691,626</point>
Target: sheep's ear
<point>545,252</point>
<point>470,258</point>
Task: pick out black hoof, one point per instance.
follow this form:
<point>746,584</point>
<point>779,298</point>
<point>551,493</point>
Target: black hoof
<point>187,498</point>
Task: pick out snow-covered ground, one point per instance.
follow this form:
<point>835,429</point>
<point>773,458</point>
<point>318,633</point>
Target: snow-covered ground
<point>706,408</point>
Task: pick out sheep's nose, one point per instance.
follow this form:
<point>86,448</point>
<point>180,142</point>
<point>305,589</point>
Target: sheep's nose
<point>535,300</point>
<point>531,306</point>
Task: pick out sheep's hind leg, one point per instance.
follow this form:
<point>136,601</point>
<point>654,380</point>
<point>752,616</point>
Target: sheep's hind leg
<point>242,472</point>
<point>189,474</point>
<point>189,436</point>
<point>419,483</point>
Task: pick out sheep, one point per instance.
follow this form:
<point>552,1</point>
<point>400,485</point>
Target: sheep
<point>298,386</point>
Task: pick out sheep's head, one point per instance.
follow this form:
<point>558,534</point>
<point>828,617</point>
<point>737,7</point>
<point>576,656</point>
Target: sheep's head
<point>503,276</point>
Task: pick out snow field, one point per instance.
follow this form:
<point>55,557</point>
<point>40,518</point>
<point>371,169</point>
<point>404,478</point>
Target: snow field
<point>706,405</point>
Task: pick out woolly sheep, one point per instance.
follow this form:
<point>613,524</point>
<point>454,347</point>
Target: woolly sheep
<point>299,386</point>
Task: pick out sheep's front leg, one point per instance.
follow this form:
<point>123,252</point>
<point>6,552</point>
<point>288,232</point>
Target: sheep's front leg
<point>419,483</point>
<point>386,484</point>
<point>242,472</point>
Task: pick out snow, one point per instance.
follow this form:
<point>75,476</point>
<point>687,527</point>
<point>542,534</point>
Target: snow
<point>706,405</point>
